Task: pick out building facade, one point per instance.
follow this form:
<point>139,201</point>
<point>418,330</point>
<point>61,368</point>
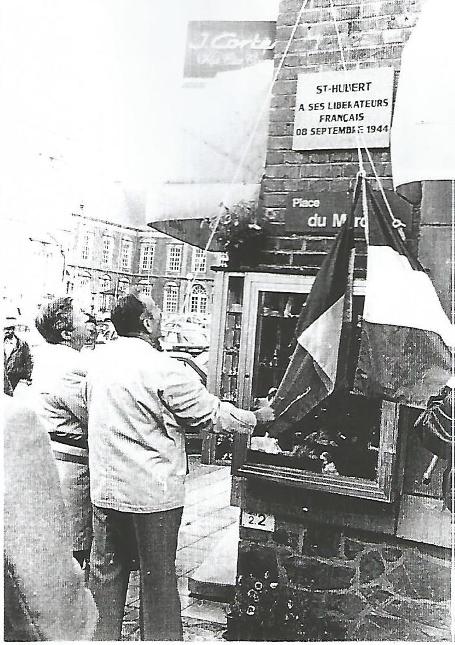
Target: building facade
<point>376,563</point>
<point>107,260</point>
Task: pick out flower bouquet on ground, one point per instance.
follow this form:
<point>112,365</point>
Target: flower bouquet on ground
<point>265,610</point>
<point>241,234</point>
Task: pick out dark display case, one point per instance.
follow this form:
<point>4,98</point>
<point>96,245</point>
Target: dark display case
<point>347,445</point>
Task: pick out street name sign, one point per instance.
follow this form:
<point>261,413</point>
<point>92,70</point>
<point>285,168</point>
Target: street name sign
<point>324,213</point>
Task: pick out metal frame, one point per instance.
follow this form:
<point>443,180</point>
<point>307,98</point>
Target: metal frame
<point>383,488</point>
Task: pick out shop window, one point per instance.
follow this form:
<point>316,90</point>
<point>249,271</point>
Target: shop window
<point>348,443</point>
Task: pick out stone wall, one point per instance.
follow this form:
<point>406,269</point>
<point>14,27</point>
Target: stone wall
<point>375,588</point>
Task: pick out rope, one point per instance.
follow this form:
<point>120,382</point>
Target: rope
<point>396,223</point>
<point>248,143</point>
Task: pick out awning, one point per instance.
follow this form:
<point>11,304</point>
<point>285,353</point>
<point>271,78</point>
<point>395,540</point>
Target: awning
<point>186,200</point>
<point>424,117</point>
<point>216,155</point>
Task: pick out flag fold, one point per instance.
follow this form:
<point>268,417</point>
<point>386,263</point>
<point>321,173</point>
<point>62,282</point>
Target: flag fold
<point>323,331</point>
<point>406,340</point>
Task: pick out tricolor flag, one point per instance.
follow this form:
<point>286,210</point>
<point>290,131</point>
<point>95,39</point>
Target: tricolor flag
<point>318,365</point>
<point>407,339</point>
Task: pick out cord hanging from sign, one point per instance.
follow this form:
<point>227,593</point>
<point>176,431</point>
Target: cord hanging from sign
<point>360,138</point>
<point>222,209</point>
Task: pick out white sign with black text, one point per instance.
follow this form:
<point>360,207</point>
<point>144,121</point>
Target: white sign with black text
<point>343,109</point>
<point>259,521</point>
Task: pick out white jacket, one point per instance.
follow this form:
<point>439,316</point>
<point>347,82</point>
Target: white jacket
<point>140,401</point>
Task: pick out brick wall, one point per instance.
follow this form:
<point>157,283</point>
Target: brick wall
<point>372,34</point>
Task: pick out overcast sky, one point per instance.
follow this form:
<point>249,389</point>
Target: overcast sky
<point>90,88</point>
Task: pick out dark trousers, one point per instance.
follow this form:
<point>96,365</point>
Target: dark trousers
<point>118,538</point>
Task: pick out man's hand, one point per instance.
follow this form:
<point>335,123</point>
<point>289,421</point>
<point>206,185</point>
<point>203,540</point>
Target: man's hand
<point>265,414</point>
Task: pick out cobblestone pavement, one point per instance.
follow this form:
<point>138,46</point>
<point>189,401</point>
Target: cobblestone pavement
<point>206,518</point>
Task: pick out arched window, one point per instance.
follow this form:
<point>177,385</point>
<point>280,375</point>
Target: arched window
<point>198,300</point>
<point>82,290</point>
<point>171,298</point>
<point>145,288</point>
<point>105,293</point>
<point>84,280</point>
<point>123,286</point>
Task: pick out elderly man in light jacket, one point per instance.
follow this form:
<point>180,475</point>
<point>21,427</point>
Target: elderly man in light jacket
<point>59,396</point>
<point>140,401</point>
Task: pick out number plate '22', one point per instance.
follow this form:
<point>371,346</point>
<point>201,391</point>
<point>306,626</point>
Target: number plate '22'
<point>258,521</point>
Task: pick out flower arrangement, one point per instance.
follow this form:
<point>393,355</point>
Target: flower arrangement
<point>265,610</point>
<point>240,232</point>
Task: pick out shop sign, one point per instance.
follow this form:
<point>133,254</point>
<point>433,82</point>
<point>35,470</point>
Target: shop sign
<point>324,213</point>
<point>214,46</point>
<point>343,109</point>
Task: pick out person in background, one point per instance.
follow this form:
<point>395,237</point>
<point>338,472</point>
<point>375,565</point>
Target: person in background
<point>58,388</point>
<point>44,593</point>
<point>140,402</point>
<point>18,362</point>
<point>106,331</point>
<point>92,332</point>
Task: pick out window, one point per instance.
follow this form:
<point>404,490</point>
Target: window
<point>105,283</point>
<point>198,300</point>
<point>125,260</point>
<point>347,444</point>
<point>107,250</point>
<point>171,299</point>
<point>147,254</point>
<point>84,282</point>
<point>174,258</point>
<point>105,293</point>
<point>199,261</point>
<point>145,288</point>
<point>123,286</point>
<point>86,245</point>
<point>84,293</point>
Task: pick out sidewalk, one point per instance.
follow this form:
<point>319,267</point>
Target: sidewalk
<point>206,518</point>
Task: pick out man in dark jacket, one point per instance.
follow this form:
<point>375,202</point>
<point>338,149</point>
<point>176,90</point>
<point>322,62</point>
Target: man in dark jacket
<point>18,361</point>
